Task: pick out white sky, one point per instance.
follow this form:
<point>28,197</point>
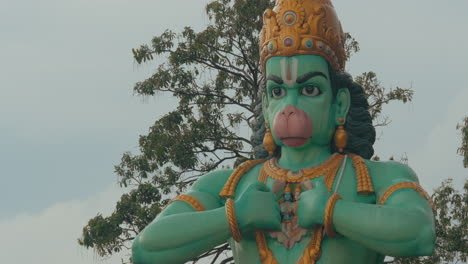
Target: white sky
<point>67,112</point>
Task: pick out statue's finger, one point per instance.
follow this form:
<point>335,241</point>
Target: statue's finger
<point>278,185</point>
<point>307,184</point>
<point>320,184</point>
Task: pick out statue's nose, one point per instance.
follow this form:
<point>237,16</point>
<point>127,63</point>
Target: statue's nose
<point>289,111</point>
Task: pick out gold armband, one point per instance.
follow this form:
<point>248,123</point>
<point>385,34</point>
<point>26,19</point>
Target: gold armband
<point>328,222</point>
<point>406,185</point>
<point>190,200</point>
<point>232,220</point>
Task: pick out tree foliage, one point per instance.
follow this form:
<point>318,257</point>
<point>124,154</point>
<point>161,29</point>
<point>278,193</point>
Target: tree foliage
<point>378,96</point>
<point>215,74</point>
<point>463,150</point>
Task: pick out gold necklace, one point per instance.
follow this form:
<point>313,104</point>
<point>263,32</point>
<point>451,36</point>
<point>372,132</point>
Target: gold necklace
<point>272,169</point>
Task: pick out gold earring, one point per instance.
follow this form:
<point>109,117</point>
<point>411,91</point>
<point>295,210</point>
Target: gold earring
<point>341,137</point>
<point>268,141</point>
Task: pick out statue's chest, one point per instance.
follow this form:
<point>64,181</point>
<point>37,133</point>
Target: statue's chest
<point>294,244</point>
<point>332,251</point>
<point>339,250</point>
<point>291,234</point>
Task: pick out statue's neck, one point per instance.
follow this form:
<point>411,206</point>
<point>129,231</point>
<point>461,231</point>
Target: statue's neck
<point>294,159</point>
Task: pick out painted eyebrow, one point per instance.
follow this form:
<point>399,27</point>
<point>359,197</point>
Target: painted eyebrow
<point>275,78</point>
<point>307,76</point>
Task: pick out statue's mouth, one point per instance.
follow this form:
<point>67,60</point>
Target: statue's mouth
<point>292,126</point>
<point>294,141</point>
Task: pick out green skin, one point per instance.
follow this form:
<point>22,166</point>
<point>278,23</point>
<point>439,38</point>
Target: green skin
<point>404,226</point>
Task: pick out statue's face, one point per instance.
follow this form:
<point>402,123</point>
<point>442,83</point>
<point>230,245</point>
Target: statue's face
<point>299,103</point>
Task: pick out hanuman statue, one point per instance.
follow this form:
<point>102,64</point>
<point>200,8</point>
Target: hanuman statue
<point>318,198</point>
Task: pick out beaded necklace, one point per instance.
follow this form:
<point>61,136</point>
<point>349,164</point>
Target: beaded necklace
<point>272,169</point>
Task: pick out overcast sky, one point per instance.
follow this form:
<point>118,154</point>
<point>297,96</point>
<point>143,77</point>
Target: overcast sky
<point>67,111</point>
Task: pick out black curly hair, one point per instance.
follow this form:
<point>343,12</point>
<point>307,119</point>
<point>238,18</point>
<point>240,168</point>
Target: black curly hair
<point>361,132</point>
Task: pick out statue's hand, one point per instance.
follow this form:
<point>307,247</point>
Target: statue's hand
<point>257,208</point>
<point>311,206</point>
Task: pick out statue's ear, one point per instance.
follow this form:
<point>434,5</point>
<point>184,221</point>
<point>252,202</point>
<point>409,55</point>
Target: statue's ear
<point>343,102</point>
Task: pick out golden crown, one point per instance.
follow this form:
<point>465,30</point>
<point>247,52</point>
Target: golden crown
<point>302,27</point>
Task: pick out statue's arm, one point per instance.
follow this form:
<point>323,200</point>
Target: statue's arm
<point>402,226</point>
<point>181,233</point>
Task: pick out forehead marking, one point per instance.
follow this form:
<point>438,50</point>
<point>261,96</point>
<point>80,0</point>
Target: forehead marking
<point>289,71</point>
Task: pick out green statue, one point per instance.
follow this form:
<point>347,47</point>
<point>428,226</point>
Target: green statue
<point>318,198</point>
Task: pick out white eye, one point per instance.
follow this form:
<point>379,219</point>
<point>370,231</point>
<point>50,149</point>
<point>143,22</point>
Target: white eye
<point>278,92</point>
<point>311,91</point>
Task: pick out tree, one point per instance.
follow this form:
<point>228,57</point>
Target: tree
<point>378,96</point>
<point>216,76</point>
<point>463,150</point>
<point>451,227</point>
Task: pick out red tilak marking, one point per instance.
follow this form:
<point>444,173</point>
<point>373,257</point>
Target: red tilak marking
<point>288,76</point>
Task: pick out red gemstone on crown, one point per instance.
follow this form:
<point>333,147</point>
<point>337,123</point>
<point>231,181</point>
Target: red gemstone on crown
<point>288,42</point>
<point>289,19</point>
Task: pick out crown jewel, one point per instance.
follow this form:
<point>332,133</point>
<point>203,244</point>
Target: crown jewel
<point>301,27</point>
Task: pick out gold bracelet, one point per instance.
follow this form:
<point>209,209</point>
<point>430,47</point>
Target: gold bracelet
<point>190,200</point>
<point>231,216</point>
<point>328,222</point>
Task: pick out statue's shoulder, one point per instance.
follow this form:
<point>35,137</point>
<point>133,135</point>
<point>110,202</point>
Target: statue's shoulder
<point>212,182</point>
<point>388,173</point>
<point>244,174</point>
<point>223,183</point>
